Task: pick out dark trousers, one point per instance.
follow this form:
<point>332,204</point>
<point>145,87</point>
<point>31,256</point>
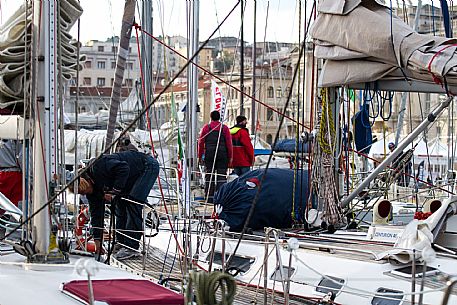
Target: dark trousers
<point>129,215</point>
<point>241,170</point>
<point>214,181</point>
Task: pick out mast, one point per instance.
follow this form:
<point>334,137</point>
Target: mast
<point>254,55</point>
<point>45,22</point>
<point>123,51</point>
<point>146,52</point>
<point>192,81</point>
<point>242,60</point>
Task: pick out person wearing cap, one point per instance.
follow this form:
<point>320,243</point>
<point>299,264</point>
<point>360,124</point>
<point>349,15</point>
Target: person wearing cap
<point>215,151</point>
<point>391,146</point>
<point>243,152</point>
<point>128,174</point>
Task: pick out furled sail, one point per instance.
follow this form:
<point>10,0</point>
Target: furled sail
<point>363,41</point>
<point>15,44</point>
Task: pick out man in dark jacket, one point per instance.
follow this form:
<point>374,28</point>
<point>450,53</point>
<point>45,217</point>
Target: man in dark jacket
<point>128,174</point>
<point>243,152</point>
<point>215,149</point>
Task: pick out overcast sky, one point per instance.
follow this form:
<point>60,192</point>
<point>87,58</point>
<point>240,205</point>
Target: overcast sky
<point>102,18</point>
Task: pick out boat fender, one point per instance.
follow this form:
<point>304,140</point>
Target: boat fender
<point>83,243</point>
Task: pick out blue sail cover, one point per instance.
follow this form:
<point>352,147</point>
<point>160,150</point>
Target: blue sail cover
<point>275,202</point>
<point>288,145</point>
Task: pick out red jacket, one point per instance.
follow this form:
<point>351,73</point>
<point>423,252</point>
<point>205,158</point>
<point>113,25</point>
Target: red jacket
<point>243,152</point>
<point>215,126</point>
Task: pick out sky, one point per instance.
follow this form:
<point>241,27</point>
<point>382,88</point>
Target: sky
<point>102,18</point>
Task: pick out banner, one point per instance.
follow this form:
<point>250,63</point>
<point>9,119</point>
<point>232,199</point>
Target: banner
<point>218,101</point>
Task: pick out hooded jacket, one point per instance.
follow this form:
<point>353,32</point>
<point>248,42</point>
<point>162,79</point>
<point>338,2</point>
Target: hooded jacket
<point>243,152</point>
<point>115,173</point>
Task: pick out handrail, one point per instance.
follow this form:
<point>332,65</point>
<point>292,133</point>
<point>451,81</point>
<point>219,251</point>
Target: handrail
<point>450,284</point>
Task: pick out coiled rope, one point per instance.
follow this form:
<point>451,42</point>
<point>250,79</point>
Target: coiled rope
<point>206,285</point>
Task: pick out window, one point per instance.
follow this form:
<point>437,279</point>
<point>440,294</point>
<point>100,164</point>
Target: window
<point>100,64</point>
<point>130,49</point>
<point>128,82</point>
<point>86,81</point>
<point>130,65</point>
<point>279,92</point>
<point>269,114</point>
<point>112,82</point>
<point>114,50</point>
<point>269,139</point>
<point>270,92</point>
<point>113,65</point>
<point>101,48</point>
<point>101,82</point>
<point>438,130</point>
<point>407,271</point>
<point>82,109</point>
<point>88,64</point>
<point>240,263</point>
<point>392,299</point>
<point>286,273</point>
<point>330,284</point>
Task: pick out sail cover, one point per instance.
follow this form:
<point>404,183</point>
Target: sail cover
<point>278,204</point>
<point>123,292</point>
<point>362,41</point>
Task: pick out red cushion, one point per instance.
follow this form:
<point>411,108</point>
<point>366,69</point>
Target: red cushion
<point>124,292</point>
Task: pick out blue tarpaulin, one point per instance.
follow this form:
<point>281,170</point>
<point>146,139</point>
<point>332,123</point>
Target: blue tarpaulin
<point>275,202</point>
<point>288,145</point>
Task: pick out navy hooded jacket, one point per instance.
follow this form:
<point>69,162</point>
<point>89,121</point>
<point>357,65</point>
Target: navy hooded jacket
<point>115,173</point>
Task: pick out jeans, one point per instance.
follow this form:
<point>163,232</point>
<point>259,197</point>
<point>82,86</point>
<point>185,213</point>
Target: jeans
<point>129,215</point>
<point>239,171</point>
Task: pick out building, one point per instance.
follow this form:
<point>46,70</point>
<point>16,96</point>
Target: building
<point>97,77</point>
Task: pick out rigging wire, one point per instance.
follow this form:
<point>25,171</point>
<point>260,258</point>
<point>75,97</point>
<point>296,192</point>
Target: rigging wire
<point>256,198</point>
<point>107,149</point>
<point>222,80</point>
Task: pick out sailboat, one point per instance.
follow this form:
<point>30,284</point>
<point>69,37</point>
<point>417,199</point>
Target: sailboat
<point>38,268</point>
<point>329,264</point>
<point>381,264</point>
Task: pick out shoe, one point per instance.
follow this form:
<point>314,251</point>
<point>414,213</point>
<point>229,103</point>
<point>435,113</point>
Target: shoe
<point>116,248</point>
<point>126,253</point>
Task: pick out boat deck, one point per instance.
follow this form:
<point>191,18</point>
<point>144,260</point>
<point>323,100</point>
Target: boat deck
<point>157,266</point>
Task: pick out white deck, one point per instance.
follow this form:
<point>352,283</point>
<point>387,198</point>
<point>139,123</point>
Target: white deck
<point>22,283</point>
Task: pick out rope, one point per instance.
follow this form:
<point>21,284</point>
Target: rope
<point>326,127</point>
<point>435,78</point>
<point>206,285</point>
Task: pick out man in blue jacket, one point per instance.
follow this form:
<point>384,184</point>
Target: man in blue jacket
<point>129,174</point>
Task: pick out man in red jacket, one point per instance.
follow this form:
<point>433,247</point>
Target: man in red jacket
<point>243,152</point>
<point>215,151</point>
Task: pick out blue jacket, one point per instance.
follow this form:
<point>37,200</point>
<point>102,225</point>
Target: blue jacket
<point>115,173</point>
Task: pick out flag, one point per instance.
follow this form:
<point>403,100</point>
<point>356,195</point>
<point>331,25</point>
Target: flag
<point>218,101</point>
<point>257,126</point>
<point>180,144</point>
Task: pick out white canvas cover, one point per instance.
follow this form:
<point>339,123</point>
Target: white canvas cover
<point>359,45</point>
<point>15,43</point>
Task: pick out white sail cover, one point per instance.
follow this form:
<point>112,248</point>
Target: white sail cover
<point>359,45</point>
<point>15,44</point>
